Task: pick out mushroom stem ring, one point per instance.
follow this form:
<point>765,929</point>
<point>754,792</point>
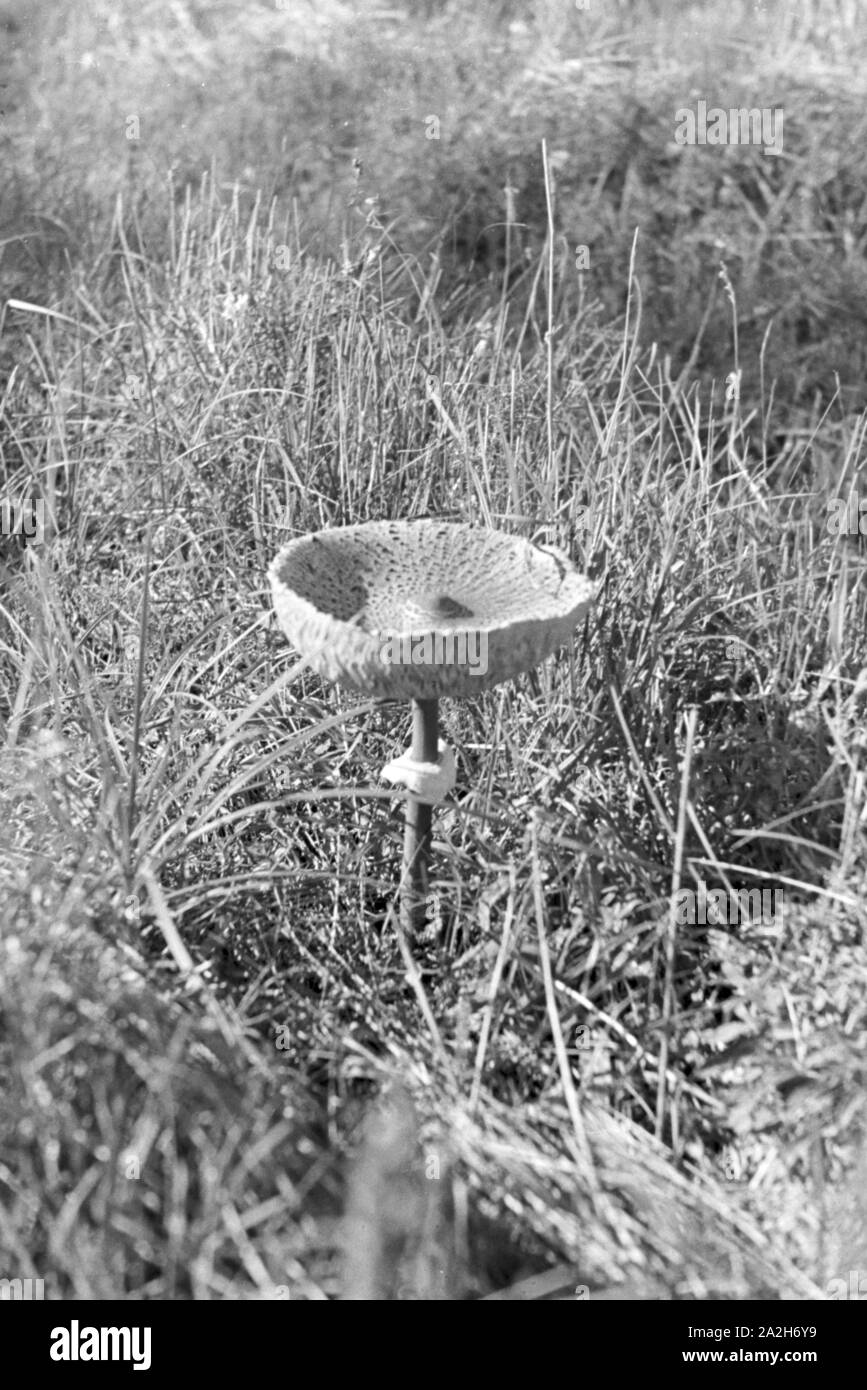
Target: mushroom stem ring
<point>420,609</point>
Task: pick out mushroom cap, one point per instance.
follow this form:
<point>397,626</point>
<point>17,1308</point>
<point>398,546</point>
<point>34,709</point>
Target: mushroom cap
<point>419,609</point>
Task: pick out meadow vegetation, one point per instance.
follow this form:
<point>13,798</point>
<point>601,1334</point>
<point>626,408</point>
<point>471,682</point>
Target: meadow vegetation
<point>271,268</point>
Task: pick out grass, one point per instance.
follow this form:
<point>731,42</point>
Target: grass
<point>224,1061</point>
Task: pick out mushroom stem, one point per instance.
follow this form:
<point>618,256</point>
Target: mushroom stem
<point>419,817</point>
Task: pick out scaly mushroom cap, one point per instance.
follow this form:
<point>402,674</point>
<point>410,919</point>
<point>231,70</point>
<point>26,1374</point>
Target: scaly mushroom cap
<point>418,609</point>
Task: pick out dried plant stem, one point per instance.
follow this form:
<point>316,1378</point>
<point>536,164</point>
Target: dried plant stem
<point>419,817</point>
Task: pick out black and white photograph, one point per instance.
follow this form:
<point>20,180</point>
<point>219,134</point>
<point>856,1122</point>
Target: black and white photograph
<point>433,666</point>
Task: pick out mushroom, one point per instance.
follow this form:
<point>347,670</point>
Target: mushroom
<point>416,610</point>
